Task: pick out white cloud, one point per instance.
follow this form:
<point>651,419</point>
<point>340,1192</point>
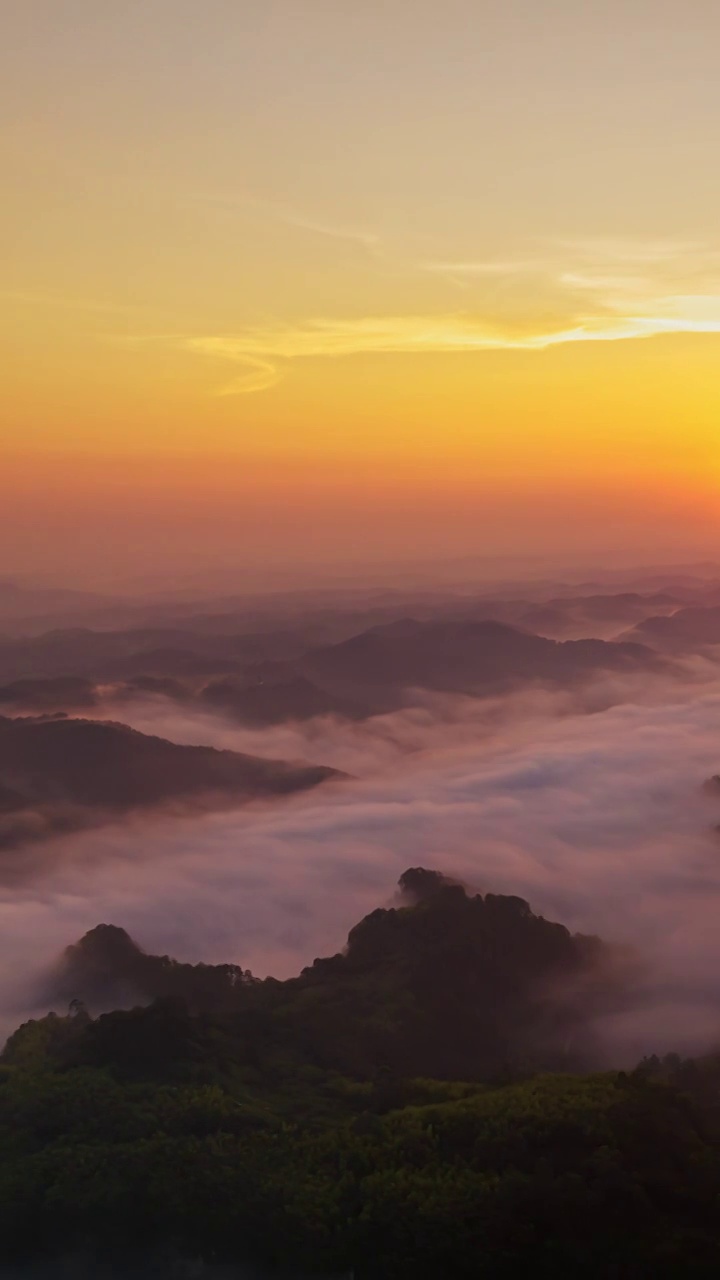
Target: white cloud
<point>599,820</point>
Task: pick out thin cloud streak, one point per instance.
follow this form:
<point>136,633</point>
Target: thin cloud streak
<point>367,239</point>
<point>438,334</point>
<point>481,268</point>
<point>633,252</point>
<point>261,375</point>
<point>293,218</point>
<point>595,290</point>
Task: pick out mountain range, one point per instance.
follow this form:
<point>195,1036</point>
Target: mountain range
<point>374,671</point>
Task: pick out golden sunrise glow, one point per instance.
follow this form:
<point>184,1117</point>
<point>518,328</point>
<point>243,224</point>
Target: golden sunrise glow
<point>456,265</point>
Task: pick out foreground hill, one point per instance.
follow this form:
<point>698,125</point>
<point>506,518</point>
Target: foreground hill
<point>296,1125</point>
<point>446,983</point>
<point>59,774</point>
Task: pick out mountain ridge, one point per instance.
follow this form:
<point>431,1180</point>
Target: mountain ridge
<point>59,773</point>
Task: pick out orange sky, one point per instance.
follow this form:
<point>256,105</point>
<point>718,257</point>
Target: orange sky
<point>325,282</point>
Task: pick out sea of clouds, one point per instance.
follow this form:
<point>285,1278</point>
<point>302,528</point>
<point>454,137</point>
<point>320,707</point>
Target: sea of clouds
<point>594,813</point>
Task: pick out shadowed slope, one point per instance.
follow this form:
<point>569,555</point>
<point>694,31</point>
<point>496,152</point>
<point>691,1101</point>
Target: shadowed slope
<point>61,774</point>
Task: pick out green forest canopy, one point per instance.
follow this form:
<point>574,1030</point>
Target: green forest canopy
<point>422,1103</point>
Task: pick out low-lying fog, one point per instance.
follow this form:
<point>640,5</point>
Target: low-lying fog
<point>597,817</point>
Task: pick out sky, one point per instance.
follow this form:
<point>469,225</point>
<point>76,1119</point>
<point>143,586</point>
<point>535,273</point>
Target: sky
<point>306,283</point>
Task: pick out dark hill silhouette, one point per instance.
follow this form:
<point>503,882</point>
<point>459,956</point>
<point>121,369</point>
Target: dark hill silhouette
<point>68,773</point>
<point>379,1116</point>
<point>596,615</point>
<point>272,701</point>
<point>111,655</point>
<point>463,657</point>
<point>377,670</point>
<point>266,678</point>
<point>686,630</point>
<point>107,969</point>
<point>446,984</point>
<point>57,692</point>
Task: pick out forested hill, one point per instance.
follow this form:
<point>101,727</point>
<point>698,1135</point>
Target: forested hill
<point>59,774</point>
<point>387,1114</point>
<point>447,983</point>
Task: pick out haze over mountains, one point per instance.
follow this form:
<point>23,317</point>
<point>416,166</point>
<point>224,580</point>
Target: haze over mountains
<point>270,677</point>
<point>243,788</point>
<point>307,660</point>
<point>687,630</point>
<point>360,641</point>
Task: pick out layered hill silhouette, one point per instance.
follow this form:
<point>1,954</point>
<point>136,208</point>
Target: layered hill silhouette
<point>685,631</point>
<point>463,656</point>
<point>595,615</point>
<point>447,983</point>
<point>377,671</point>
<point>110,655</point>
<point>267,677</point>
<point>62,774</point>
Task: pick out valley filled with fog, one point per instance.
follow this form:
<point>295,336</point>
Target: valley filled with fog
<point>567,768</point>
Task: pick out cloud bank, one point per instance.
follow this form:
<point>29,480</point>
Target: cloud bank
<point>598,820</point>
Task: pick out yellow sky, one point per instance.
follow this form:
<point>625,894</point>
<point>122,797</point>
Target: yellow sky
<point>415,274</point>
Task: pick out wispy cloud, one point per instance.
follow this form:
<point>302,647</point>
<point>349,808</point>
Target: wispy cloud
<point>631,252</point>
<point>290,217</point>
<point>355,235</point>
<point>569,292</point>
<point>440,334</point>
<point>607,284</point>
<point>498,267</point>
<point>259,375</point>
